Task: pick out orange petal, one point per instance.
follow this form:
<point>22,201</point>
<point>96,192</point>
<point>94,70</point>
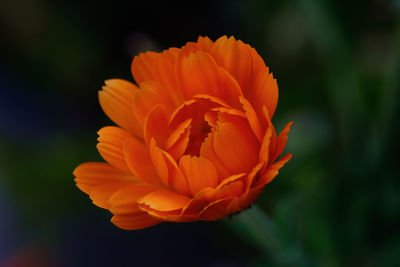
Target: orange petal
<point>134,221</point>
<point>239,59</point>
<point>245,200</point>
<point>230,187</point>
<point>216,210</point>
<point>164,201</point>
<point>164,68</point>
<point>207,151</point>
<point>178,140</point>
<point>101,180</point>
<point>281,142</point>
<point>124,201</point>
<point>264,92</point>
<point>198,74</point>
<point>251,116</point>
<point>116,100</point>
<point>156,126</point>
<point>271,148</point>
<point>139,161</point>
<point>272,171</point>
<point>110,144</point>
<point>149,95</point>
<point>200,173</point>
<point>204,43</point>
<point>235,145</point>
<point>167,169</point>
<point>91,174</point>
<point>142,67</point>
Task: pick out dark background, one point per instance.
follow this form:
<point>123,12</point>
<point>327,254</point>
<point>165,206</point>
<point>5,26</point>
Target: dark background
<point>336,203</point>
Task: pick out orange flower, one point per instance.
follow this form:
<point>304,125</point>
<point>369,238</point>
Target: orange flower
<point>195,139</point>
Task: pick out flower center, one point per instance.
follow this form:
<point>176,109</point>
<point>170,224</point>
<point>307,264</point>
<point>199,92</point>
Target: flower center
<point>198,132</point>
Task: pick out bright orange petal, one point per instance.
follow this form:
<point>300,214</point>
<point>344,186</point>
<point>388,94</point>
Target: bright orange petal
<point>167,169</point>
<point>116,100</point>
<point>207,151</point>
<point>200,173</point>
<point>164,201</point>
<point>239,59</point>
<point>251,116</point>
<point>178,140</point>
<point>124,201</point>
<point>139,161</point>
<point>149,95</point>
<point>235,145</point>
<point>198,74</point>
<point>142,67</point>
<point>134,221</point>
<point>204,43</point>
<point>164,68</point>
<point>110,144</point>
<point>100,180</point>
<point>264,92</point>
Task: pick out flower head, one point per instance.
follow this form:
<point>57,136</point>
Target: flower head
<point>194,139</point>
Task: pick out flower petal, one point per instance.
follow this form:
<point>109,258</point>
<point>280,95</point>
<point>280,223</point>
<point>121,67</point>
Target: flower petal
<point>139,161</point>
<point>235,145</point>
<point>167,169</point>
<point>156,126</point>
<point>200,173</point>
<point>264,92</point>
<point>124,201</point>
<point>149,95</point>
<point>134,221</point>
<point>100,180</point>
<point>239,59</point>
<point>178,140</point>
<point>207,151</point>
<point>116,100</point>
<point>142,67</point>
<point>281,142</point>
<point>198,73</point>
<point>111,139</point>
<point>165,200</point>
<point>272,171</point>
<point>216,210</point>
<point>251,116</point>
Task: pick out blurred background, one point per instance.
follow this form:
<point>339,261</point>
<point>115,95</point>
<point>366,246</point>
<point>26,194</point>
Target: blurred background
<point>336,203</point>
